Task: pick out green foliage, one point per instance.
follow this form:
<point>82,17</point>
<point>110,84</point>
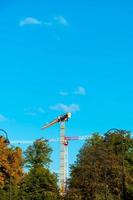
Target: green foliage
<point>103,169</point>
<point>38,154</point>
<point>39,184</point>
<point>10,189</point>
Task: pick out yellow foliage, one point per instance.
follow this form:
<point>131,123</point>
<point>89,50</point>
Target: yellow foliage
<point>10,163</point>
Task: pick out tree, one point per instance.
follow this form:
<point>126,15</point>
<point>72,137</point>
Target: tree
<point>38,154</point>
<point>103,169</point>
<point>39,183</point>
<point>11,162</point>
<point>11,169</point>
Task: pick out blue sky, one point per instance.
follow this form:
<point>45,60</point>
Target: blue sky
<point>58,56</point>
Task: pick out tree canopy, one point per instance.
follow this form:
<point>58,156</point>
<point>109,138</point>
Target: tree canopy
<point>38,154</point>
<point>11,162</point>
<point>11,170</point>
<point>103,169</point>
<point>39,183</point>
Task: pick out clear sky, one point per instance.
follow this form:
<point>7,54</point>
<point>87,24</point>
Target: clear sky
<point>58,56</point>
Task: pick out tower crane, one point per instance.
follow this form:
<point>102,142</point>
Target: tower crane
<point>63,150</point>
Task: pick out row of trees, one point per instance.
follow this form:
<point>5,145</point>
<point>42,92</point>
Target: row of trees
<point>103,170</point>
<point>37,184</point>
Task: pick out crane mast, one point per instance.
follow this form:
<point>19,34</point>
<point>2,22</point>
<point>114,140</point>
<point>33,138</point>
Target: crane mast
<point>63,167</point>
<point>63,150</point>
